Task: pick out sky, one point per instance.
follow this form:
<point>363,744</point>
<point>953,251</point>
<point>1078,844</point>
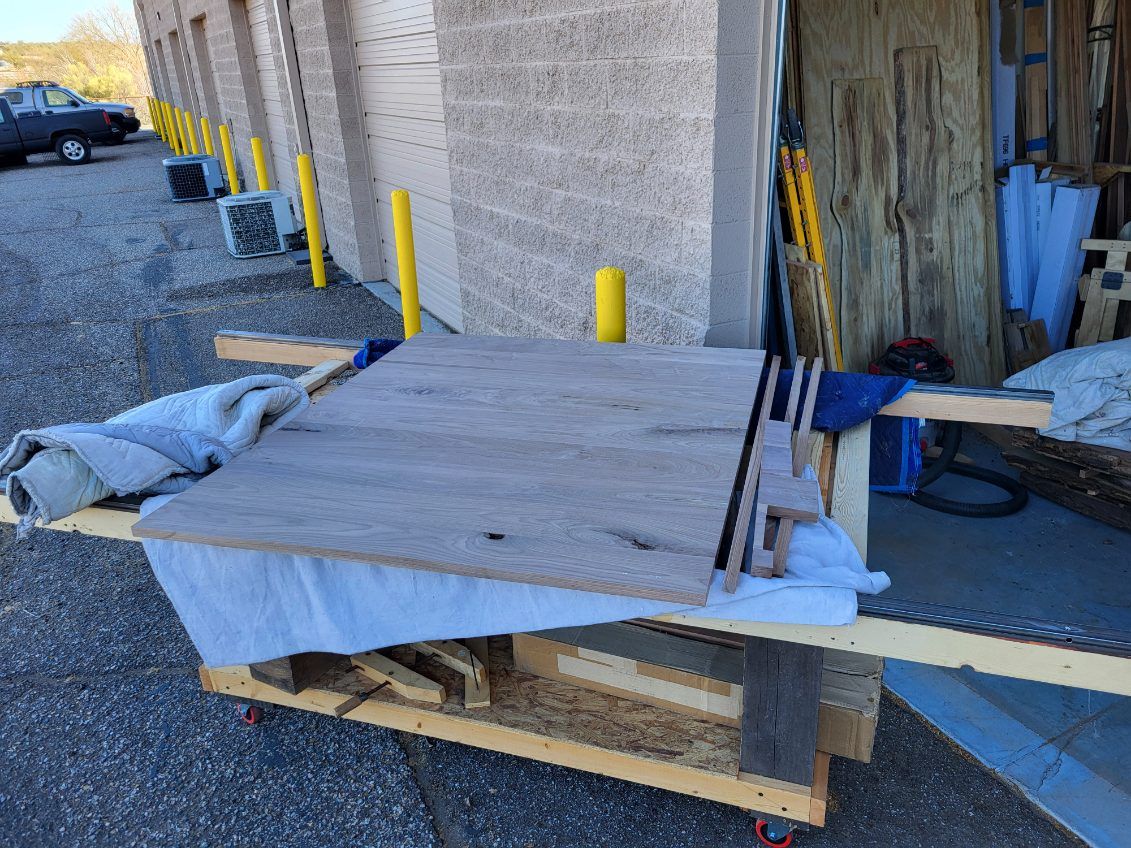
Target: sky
<point>46,20</point>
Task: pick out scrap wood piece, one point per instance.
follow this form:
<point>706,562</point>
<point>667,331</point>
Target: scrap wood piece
<point>293,673</point>
<point>800,454</point>
<point>321,374</point>
<point>477,693</point>
<point>746,504</point>
<point>455,656</point>
<point>404,681</point>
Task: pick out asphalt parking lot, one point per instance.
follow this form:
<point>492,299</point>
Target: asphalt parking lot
<point>111,294</point>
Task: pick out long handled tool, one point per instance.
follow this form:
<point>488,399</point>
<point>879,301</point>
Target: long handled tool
<point>802,175</point>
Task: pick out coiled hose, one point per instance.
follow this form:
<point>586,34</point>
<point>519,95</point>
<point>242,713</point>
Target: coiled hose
<point>934,469</point>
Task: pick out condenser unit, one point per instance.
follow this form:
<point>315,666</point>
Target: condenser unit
<point>257,223</point>
<point>194,177</point>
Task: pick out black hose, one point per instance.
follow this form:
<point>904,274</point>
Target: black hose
<point>932,471</point>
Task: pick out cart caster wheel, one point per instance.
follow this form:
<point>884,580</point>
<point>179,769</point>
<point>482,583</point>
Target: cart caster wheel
<point>773,834</point>
<point>249,713</point>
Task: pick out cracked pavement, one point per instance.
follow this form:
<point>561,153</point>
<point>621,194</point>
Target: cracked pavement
<point>111,296</point>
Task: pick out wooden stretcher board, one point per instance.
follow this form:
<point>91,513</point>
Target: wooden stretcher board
<point>554,722</point>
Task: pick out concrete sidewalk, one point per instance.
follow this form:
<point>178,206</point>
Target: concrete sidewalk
<point>111,295</point>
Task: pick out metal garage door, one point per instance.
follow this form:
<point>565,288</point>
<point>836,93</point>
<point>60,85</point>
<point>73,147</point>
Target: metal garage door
<point>282,163</point>
<point>399,74</point>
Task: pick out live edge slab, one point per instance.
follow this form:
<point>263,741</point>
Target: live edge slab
<point>605,468</point>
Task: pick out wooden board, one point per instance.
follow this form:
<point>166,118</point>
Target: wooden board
<point>599,467</point>
<point>843,42</point>
<point>698,678</point>
<point>864,180</point>
<point>554,722</point>
<point>1074,118</point>
<point>804,293</point>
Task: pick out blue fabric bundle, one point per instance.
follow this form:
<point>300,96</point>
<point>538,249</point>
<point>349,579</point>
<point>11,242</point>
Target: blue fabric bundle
<point>845,400</point>
<point>372,350</point>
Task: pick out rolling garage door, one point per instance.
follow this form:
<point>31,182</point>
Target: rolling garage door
<point>399,75</point>
<point>282,163</point>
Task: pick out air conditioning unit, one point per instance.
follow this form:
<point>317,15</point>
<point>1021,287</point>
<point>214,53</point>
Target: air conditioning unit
<point>194,177</point>
<point>257,223</point>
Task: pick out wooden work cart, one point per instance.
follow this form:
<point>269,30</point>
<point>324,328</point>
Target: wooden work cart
<point>770,764</point>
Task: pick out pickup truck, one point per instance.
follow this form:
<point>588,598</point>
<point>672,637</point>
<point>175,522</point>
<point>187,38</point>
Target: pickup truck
<point>50,98</point>
<point>69,134</point>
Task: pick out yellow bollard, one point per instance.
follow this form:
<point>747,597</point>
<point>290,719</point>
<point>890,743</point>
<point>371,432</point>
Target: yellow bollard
<point>611,324</point>
<point>406,262</point>
<point>178,122</point>
<point>190,125</point>
<point>164,107</point>
<point>260,163</point>
<point>169,124</point>
<point>229,159</point>
<point>186,135</point>
<point>310,215</point>
<point>206,136</point>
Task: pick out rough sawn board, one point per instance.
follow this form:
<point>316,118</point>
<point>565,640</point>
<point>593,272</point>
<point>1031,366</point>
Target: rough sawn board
<point>607,468</point>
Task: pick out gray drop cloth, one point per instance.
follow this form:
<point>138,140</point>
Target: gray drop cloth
<point>1092,393</point>
<point>161,447</point>
<point>242,606</point>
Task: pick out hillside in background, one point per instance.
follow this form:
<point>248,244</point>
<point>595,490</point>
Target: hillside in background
<point>100,57</point>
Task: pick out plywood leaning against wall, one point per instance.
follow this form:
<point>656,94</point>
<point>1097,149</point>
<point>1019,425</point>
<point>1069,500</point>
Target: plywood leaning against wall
<point>896,113</point>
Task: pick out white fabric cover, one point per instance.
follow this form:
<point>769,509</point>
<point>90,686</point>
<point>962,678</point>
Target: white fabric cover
<point>243,606</point>
<point>1093,393</point>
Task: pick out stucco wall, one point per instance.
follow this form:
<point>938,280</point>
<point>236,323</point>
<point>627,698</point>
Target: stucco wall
<point>583,137</point>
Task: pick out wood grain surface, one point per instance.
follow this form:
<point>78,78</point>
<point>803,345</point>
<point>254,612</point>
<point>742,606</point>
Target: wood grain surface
<point>606,468</point>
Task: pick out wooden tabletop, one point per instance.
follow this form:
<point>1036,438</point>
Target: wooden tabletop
<point>590,466</point>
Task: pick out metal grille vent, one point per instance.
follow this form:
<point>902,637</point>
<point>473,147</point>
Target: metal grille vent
<point>253,228</point>
<point>187,182</point>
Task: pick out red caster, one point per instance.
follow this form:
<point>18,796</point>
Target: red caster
<point>249,713</point>
<point>774,834</point>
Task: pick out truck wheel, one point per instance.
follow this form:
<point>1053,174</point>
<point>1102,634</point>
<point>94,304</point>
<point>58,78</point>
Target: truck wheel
<point>72,149</point>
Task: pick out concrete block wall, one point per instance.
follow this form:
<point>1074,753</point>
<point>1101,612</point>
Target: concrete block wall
<point>325,67</point>
<point>584,133</point>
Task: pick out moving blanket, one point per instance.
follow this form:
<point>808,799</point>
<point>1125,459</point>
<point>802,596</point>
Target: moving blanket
<point>161,447</point>
<point>1092,387</point>
<point>242,606</point>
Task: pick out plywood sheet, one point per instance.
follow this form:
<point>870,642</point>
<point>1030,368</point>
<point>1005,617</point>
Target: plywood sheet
<point>845,43</point>
<point>606,468</point>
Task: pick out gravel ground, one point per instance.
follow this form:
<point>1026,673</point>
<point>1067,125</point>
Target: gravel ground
<point>111,295</point>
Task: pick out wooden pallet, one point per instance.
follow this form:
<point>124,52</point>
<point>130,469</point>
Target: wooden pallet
<point>1103,292</point>
<point>553,722</point>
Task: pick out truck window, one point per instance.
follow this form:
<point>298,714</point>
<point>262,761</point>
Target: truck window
<point>14,97</point>
<point>54,97</point>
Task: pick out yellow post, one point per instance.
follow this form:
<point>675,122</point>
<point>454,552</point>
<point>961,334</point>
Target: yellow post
<point>260,163</point>
<point>171,127</point>
<point>155,119</point>
<point>310,216</point>
<point>178,122</point>
<point>166,123</point>
<point>406,262</point>
<point>229,159</point>
<point>611,322</point>
<point>187,135</point>
<point>206,135</point>
<point>190,122</point>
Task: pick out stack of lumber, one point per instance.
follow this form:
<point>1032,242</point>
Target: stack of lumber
<point>703,679</point>
<point>1092,480</point>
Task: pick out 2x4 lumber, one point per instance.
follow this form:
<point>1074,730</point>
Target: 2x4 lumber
<point>321,374</point>
<point>237,682</point>
<point>750,484</point>
<point>975,405</point>
<point>477,693</point>
<point>404,681</point>
<point>283,350</point>
<point>781,686</point>
<point>455,656</point>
